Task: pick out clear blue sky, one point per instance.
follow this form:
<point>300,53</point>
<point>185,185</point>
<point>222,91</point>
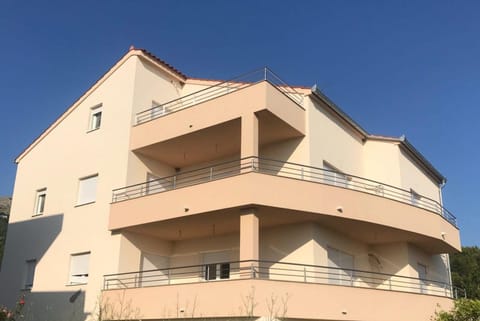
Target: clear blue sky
<point>396,67</point>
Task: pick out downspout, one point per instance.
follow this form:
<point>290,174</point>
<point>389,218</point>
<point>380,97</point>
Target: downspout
<point>446,255</point>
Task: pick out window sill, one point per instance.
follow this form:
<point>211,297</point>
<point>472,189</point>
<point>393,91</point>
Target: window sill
<point>93,130</point>
<point>83,204</point>
<point>76,284</point>
<point>36,215</point>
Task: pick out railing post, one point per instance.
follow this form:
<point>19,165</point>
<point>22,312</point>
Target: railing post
<point>351,278</point>
<point>305,274</point>
<point>445,288</point>
<point>253,164</point>
<point>252,271</point>
<point>174,181</point>
<point>390,283</point>
<point>168,276</point>
<point>302,173</point>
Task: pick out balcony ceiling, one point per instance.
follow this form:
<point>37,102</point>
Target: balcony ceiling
<point>216,142</point>
<point>228,221</point>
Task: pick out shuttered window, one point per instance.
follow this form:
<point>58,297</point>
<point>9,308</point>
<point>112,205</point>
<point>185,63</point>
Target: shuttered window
<point>87,190</point>
<point>79,268</point>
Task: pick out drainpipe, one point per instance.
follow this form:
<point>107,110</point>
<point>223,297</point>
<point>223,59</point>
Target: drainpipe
<point>446,255</point>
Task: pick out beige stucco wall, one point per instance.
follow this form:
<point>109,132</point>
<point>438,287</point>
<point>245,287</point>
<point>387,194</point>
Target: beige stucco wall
<point>150,85</point>
<point>412,177</point>
<point>382,162</point>
<point>331,141</point>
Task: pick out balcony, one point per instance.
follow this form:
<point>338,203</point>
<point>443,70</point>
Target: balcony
<point>367,210</point>
<point>260,288</point>
<point>207,125</point>
<point>221,89</point>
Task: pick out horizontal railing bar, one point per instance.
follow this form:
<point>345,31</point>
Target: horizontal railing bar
<point>300,273</point>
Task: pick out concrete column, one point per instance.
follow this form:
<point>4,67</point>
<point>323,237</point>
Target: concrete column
<point>249,140</point>
<point>249,242</point>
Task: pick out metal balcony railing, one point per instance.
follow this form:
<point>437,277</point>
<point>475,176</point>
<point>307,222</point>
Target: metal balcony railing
<point>282,169</point>
<point>220,89</point>
<point>279,271</point>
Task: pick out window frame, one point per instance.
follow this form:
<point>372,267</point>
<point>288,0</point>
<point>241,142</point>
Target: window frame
<point>95,118</point>
<point>79,190</point>
<point>218,267</point>
<point>40,200</point>
<point>71,275</point>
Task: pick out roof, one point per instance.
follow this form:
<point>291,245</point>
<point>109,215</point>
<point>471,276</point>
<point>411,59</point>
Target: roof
<point>162,62</point>
<point>401,141</point>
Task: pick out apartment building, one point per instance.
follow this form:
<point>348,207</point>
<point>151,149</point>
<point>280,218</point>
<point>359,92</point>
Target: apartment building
<point>160,196</point>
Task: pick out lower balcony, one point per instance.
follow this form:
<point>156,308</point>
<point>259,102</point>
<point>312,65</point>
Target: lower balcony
<point>276,290</point>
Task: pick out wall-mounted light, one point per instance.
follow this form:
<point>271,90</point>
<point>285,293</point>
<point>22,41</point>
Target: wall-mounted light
<point>339,209</point>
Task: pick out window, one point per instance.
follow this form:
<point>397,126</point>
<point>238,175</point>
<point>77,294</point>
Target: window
<point>87,189</point>
<point>340,267</point>
<point>40,201</point>
<point>95,118</point>
<point>213,268</point>
<point>333,176</point>
<point>157,110</point>
<point>29,273</point>
<point>414,197</point>
<point>154,184</point>
<point>79,268</point>
<point>217,271</point>
<point>422,276</point>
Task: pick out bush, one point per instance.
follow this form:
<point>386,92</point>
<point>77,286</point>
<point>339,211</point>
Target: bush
<point>464,310</point>
<point>13,315</point>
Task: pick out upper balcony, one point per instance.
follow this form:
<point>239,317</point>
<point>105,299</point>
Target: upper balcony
<point>207,124</point>
<point>367,210</point>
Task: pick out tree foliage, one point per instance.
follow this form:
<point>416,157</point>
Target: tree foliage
<point>464,310</point>
<point>465,268</point>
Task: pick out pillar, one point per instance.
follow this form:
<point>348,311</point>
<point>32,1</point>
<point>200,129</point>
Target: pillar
<point>249,242</point>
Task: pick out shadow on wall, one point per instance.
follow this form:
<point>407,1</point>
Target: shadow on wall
<point>55,306</point>
<point>26,240</point>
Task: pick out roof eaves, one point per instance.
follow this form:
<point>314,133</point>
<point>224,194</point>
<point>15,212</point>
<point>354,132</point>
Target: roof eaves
<point>163,63</point>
